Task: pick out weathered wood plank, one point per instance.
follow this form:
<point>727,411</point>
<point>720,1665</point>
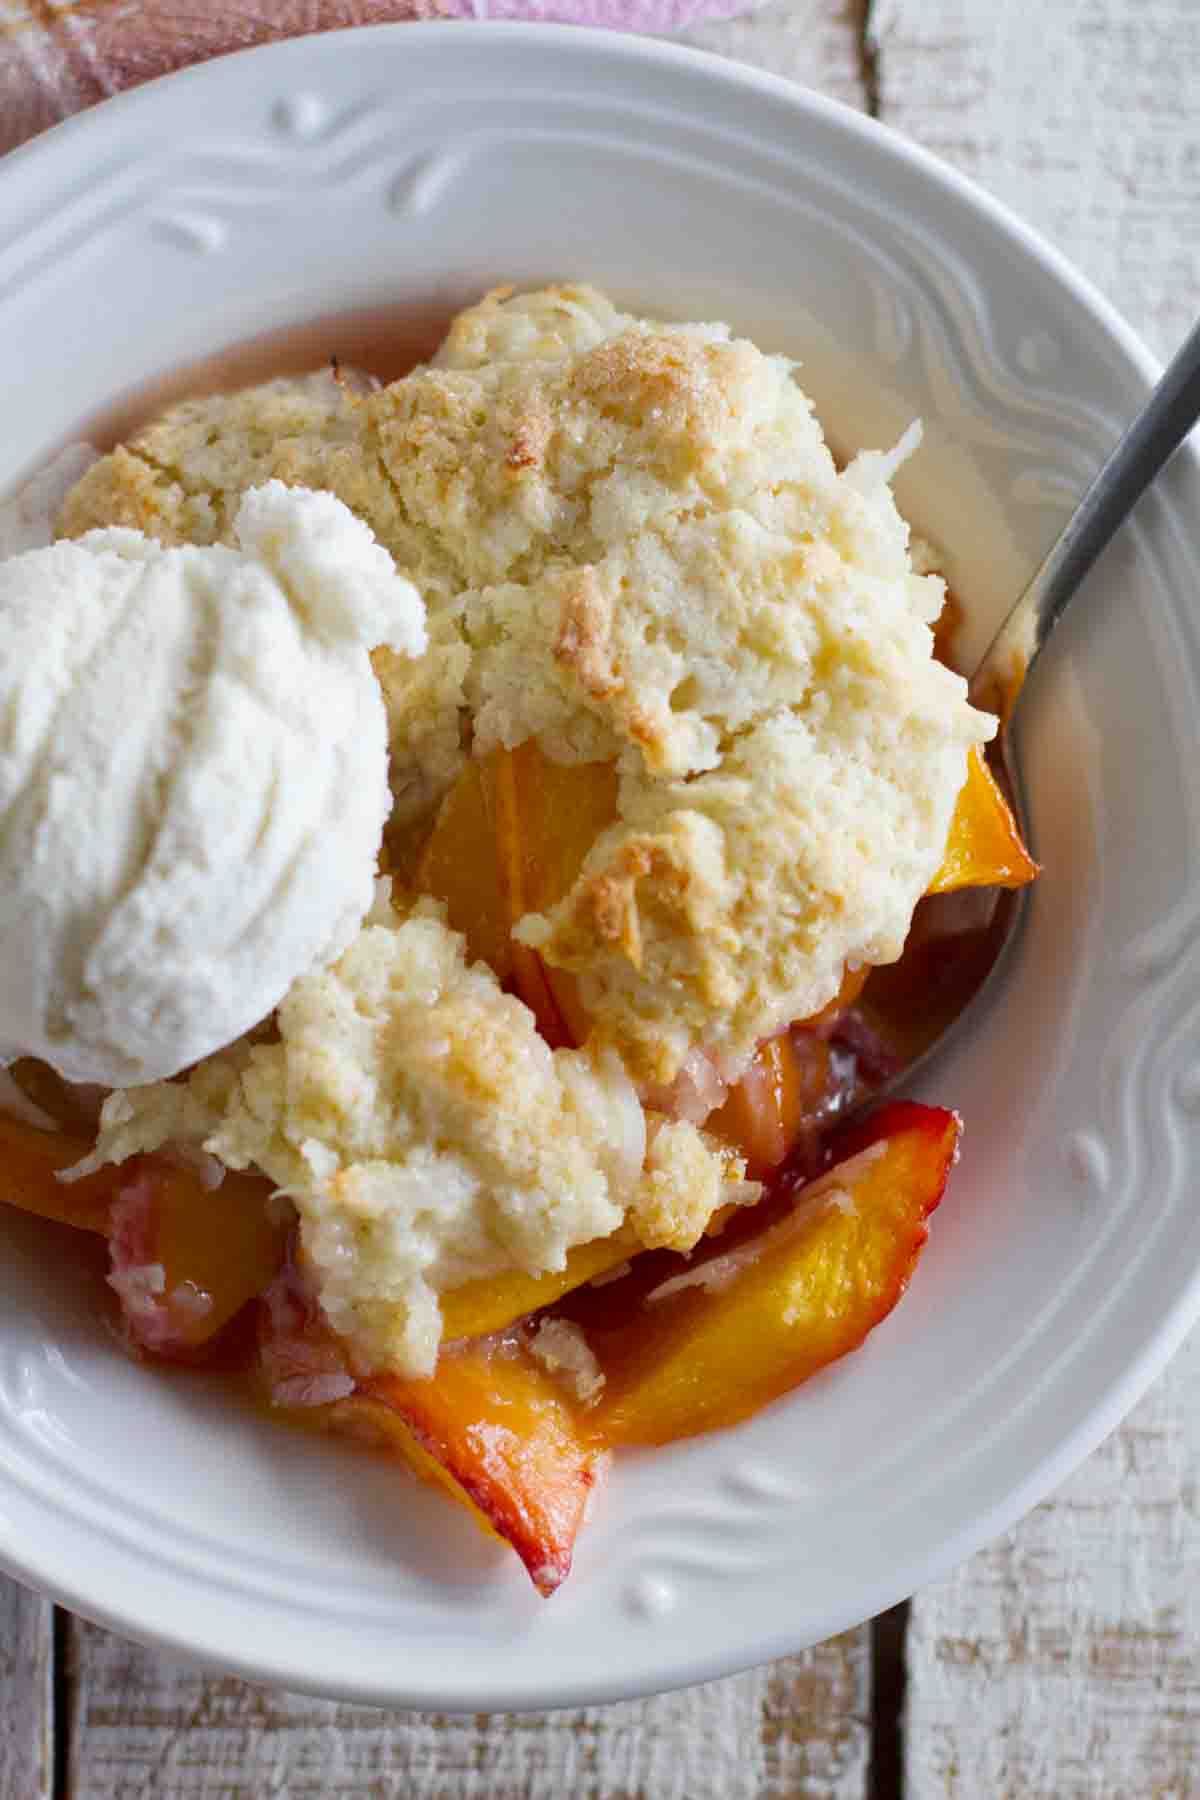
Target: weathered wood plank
<point>816,42</point>
<point>1066,1661</point>
<point>1085,122</point>
<point>26,1693</point>
<point>143,1726</point>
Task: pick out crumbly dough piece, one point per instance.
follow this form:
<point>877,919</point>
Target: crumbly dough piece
<point>182,478</point>
<point>426,1133</point>
<point>686,1179</point>
<point>724,907</point>
<point>727,905</point>
<point>535,482</point>
<point>545,325</point>
<point>634,545</point>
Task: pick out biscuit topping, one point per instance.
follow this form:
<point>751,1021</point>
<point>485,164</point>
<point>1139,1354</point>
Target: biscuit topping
<point>636,553</point>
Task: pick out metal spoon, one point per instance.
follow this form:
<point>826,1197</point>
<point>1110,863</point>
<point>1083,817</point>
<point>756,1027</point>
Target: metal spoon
<point>961,950</point>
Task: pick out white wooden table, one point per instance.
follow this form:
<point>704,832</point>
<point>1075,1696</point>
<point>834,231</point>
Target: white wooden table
<point>1064,1661</point>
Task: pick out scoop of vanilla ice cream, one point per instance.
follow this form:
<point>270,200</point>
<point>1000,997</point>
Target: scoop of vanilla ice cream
<point>193,778</point>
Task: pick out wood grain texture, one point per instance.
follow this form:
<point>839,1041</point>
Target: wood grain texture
<point>26,1694</point>
<point>1083,115</point>
<point>815,42</point>
<point>143,1728</point>
<point>1065,1662</point>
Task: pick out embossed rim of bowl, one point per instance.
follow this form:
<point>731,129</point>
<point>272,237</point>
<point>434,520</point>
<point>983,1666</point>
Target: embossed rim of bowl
<point>174,1583</point>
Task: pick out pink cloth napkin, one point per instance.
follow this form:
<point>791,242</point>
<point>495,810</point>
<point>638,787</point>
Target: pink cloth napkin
<point>58,56</point>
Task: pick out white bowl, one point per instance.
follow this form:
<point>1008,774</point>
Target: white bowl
<point>421,164</point>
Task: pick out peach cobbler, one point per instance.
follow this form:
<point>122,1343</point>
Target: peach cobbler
<point>450,827</point>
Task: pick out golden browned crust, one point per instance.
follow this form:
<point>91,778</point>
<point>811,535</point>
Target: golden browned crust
<point>635,548</point>
<point>606,909</point>
<point>124,489</point>
<point>671,378</point>
<point>583,646</point>
<point>686,1179</point>
<point>531,434</point>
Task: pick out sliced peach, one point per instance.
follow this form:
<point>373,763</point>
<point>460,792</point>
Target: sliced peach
<point>217,1247</point>
<point>561,809</point>
<point>492,1427</point>
<point>984,848</point>
<point>512,851</point>
<point>549,815</point>
<point>564,991</point>
<point>493,1302</point>
<point>185,1257</point>
<point>460,866</point>
<point>739,1326</point>
<point>787,1088</point>
<point>32,1160</point>
<point>511,1441</point>
<point>559,812</point>
<point>766,1112</point>
<point>510,839</point>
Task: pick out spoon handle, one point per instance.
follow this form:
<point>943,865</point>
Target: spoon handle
<point>1155,434</point>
